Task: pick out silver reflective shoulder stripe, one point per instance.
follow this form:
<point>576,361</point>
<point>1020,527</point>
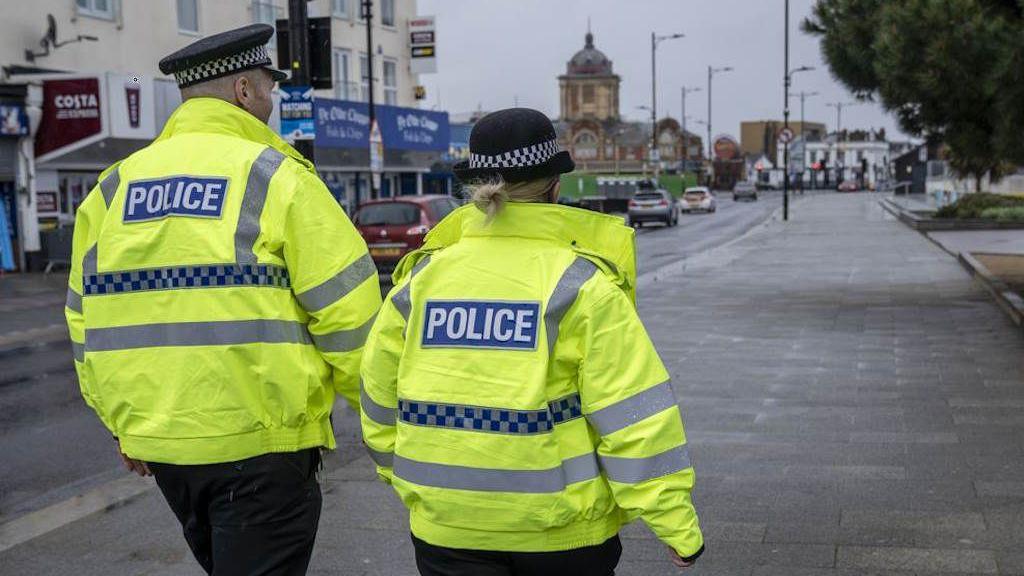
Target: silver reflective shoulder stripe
<point>344,340</point>
<point>89,262</point>
<point>633,409</point>
<point>337,287</point>
<point>385,459</point>
<point>196,334</point>
<point>634,470</point>
<point>78,350</point>
<point>379,414</point>
<point>402,299</point>
<point>255,196</point>
<point>109,186</point>
<point>564,295</point>
<point>74,301</point>
<point>455,477</point>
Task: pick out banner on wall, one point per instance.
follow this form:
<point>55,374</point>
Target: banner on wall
<point>346,124</point>
<point>71,113</point>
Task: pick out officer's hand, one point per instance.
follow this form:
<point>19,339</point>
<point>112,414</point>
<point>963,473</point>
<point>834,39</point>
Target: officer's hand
<point>678,560</point>
<point>133,465</point>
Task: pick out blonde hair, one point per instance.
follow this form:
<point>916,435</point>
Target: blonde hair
<point>491,197</point>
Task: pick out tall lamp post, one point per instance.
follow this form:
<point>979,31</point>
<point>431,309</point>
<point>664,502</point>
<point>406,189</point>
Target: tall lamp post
<point>803,136</point>
<point>686,139</point>
<point>787,81</point>
<point>711,76</point>
<point>367,12</point>
<point>655,40</point>
<point>839,127</point>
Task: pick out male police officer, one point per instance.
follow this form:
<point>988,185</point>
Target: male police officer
<point>218,299</point>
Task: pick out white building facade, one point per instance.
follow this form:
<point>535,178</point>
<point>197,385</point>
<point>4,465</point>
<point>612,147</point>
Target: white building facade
<point>826,163</point>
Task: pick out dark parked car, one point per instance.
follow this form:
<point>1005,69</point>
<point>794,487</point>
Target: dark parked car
<point>652,206</point>
<point>744,191</point>
<point>392,227</point>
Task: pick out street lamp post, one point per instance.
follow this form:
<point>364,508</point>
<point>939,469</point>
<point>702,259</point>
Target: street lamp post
<point>655,40</point>
<point>686,139</point>
<point>839,126</point>
<point>803,136</point>
<point>787,81</point>
<point>711,75</point>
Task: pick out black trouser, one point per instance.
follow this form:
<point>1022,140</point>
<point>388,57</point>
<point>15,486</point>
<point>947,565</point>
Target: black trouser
<point>252,517</point>
<point>597,560</point>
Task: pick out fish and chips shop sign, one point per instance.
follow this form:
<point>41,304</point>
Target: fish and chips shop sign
<point>346,124</point>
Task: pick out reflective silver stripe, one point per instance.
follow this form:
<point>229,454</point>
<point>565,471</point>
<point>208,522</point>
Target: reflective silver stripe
<point>454,477</point>
<point>385,459</point>
<point>380,414</point>
<point>109,186</point>
<point>402,299</point>
<point>336,288</point>
<point>89,261</point>
<point>633,409</point>
<point>256,187</point>
<point>74,301</point>
<point>196,334</point>
<point>564,295</point>
<point>633,470</point>
<point>78,350</point>
<point>344,340</point>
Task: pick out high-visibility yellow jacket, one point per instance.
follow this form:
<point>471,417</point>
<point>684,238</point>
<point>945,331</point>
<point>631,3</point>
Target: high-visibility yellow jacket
<point>218,296</point>
<point>511,394</point>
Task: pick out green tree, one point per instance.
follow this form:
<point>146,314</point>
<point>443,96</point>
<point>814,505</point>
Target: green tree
<point>944,67</point>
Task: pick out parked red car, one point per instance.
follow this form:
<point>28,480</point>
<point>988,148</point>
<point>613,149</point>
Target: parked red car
<point>392,227</point>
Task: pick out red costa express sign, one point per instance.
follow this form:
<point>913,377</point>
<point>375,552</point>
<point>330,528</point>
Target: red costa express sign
<point>71,112</point>
<point>726,148</point>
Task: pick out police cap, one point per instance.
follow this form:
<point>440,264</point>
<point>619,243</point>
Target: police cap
<point>222,54</point>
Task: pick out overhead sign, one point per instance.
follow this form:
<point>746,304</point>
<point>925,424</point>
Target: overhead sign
<point>726,148</point>
<point>423,45</point>
<point>297,120</point>
<point>71,113</point>
<point>786,135</point>
<point>13,120</point>
<point>131,106</point>
<point>346,124</point>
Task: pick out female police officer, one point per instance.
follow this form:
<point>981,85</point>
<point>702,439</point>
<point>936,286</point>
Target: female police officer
<point>509,391</point>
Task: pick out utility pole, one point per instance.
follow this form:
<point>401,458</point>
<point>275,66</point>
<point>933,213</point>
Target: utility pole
<point>803,136</point>
<point>839,127</point>
<point>298,45</point>
<point>686,139</point>
<point>367,8</point>
<point>711,75</point>
<point>785,122</point>
<point>654,92</point>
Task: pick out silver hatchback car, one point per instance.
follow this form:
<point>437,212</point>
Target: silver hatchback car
<point>653,206</point>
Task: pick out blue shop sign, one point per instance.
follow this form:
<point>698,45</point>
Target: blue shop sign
<point>13,120</point>
<point>346,124</point>
<point>297,113</point>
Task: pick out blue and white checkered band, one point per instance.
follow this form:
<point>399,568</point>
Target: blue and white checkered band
<point>519,158</point>
<point>244,60</point>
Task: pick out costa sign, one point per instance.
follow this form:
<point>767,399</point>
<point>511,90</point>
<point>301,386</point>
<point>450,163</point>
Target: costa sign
<point>71,113</point>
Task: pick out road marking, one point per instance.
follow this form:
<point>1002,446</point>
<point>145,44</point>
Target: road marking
<point>45,520</point>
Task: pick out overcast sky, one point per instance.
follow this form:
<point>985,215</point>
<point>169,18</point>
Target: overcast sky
<point>493,53</point>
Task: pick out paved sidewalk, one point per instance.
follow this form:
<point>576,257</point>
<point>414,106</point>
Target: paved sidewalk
<point>32,309</point>
<point>854,403</point>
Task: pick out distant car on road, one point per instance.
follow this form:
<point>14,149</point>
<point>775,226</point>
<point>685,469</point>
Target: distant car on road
<point>392,227</point>
<point>652,206</point>
<point>744,191</point>
<point>699,198</point>
<point>848,186</point>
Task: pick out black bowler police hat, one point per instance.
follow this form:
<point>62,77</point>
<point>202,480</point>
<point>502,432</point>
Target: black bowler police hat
<point>517,144</point>
<point>223,54</point>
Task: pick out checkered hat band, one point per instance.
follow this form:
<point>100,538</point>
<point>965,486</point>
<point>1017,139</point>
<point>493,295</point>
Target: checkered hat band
<point>519,158</point>
<point>244,60</point>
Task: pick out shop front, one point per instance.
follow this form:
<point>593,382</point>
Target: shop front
<point>414,142</point>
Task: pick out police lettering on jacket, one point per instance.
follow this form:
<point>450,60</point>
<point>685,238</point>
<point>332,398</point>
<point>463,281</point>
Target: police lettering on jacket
<point>193,196</point>
<point>480,324</point>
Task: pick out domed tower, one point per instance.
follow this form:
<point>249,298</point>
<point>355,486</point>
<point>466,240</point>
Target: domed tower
<point>589,88</point>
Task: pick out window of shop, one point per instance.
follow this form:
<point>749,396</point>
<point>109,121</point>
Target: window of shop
<point>339,9</point>
<point>390,82</point>
<point>344,89</point>
<point>387,12</point>
<point>364,75</point>
<point>96,8</point>
<point>265,12</point>
<point>73,188</point>
<point>188,16</point>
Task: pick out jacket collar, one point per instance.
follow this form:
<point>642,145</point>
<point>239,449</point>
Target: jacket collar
<point>601,238</point>
<point>214,116</point>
